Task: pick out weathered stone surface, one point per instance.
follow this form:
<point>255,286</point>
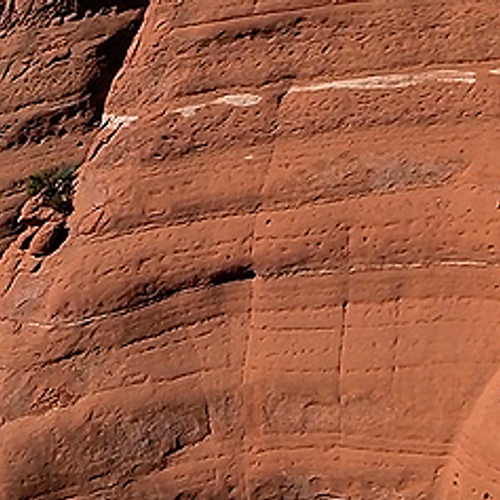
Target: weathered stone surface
<point>281,277</point>
<point>48,238</point>
<point>34,212</point>
<point>53,82</point>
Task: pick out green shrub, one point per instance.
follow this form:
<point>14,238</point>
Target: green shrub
<point>55,187</point>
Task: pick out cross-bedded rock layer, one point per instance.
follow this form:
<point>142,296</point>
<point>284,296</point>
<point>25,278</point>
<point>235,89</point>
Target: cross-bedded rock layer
<point>281,277</point>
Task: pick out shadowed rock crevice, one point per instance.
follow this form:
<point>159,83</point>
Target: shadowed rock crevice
<point>79,58</point>
<point>232,274</point>
<point>54,87</point>
<point>144,294</point>
<point>110,56</point>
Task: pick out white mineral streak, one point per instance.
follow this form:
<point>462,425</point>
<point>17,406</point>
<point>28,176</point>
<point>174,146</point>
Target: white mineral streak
<point>189,111</point>
<point>239,100</point>
<point>377,82</point>
<point>395,81</point>
<point>235,100</point>
<point>115,121</point>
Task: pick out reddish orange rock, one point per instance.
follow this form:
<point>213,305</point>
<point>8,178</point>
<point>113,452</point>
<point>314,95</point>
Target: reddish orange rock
<point>281,276</point>
<point>35,213</point>
<point>48,238</point>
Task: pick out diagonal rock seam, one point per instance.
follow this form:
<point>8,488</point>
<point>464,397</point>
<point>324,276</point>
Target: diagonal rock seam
<point>111,56</point>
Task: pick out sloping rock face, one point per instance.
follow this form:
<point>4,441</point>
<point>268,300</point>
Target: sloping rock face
<point>57,60</point>
<point>473,469</point>
<point>281,275</point>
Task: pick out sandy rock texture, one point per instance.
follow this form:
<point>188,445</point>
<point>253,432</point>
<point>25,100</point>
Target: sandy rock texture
<point>281,276</point>
<point>57,60</point>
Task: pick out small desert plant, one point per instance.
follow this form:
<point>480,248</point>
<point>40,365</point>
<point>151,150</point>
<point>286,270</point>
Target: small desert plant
<point>55,186</point>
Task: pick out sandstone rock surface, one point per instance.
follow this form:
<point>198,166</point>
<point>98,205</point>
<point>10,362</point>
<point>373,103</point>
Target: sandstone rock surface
<point>281,278</point>
<point>54,77</point>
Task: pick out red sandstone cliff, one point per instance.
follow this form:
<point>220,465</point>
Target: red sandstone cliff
<point>281,277</point>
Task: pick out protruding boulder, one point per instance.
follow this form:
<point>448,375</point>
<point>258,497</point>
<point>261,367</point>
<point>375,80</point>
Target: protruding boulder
<point>34,212</point>
<point>24,239</point>
<point>48,238</point>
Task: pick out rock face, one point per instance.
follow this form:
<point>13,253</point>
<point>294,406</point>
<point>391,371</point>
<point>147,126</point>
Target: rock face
<point>54,77</point>
<point>281,275</point>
